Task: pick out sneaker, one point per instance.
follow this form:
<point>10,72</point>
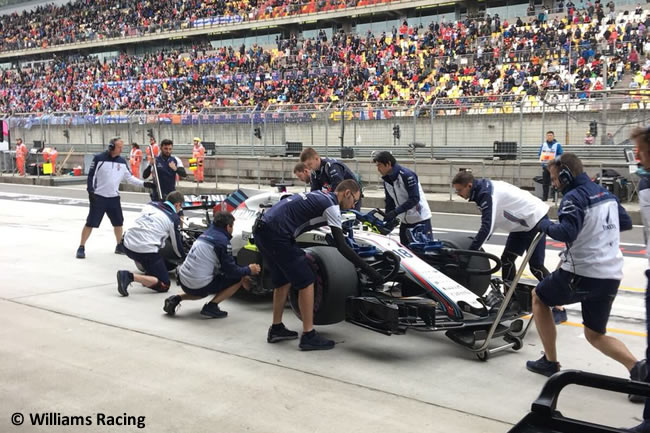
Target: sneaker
<point>314,341</point>
<point>119,249</point>
<point>559,316</point>
<point>213,311</point>
<point>280,333</point>
<point>638,373</point>
<point>81,252</point>
<point>171,304</point>
<point>543,366</point>
<point>124,279</point>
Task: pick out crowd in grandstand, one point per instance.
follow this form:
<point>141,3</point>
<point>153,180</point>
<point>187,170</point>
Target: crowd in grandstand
<point>463,58</point>
<point>90,20</point>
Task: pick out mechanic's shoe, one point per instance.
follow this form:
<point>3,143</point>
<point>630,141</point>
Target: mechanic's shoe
<point>314,341</point>
<point>119,249</point>
<point>171,304</point>
<point>559,316</point>
<point>213,311</point>
<point>124,278</point>
<point>279,332</point>
<point>543,366</point>
<point>81,252</point>
<point>638,373</point>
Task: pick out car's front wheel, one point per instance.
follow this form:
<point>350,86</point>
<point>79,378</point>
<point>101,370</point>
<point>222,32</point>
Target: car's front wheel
<point>335,280</point>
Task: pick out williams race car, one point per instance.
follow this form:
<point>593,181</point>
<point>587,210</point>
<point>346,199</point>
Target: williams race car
<point>429,285</point>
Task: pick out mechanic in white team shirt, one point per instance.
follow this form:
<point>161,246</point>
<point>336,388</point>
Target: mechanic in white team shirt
<point>157,222</point>
<point>404,196</point>
<point>506,207</point>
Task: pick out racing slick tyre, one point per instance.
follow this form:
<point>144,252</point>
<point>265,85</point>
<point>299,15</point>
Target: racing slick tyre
<point>478,284</point>
<point>335,280</point>
<point>171,259</point>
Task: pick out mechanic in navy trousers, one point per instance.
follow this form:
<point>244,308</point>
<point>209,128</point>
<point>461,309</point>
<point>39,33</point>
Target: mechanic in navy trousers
<point>641,138</point>
<point>590,220</point>
<point>275,234</point>
<point>404,196</point>
<point>210,269</point>
<point>157,222</point>
<point>506,207</point>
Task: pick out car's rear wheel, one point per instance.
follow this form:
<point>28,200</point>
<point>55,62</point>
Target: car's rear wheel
<point>335,280</point>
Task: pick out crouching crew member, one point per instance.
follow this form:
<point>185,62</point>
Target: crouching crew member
<point>157,222</point>
<point>404,196</point>
<point>168,167</point>
<point>590,220</point>
<point>210,269</point>
<point>275,235</point>
<point>506,207</point>
<point>107,171</point>
<point>327,173</point>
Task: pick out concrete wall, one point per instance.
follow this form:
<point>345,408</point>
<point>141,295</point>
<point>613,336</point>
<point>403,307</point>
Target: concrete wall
<point>434,175</point>
<point>439,131</point>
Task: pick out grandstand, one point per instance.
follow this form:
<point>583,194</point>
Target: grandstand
<point>345,75</point>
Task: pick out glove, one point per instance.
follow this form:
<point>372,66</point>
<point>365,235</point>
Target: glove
<point>542,225</point>
<point>91,197</point>
<point>390,216</point>
<point>149,185</point>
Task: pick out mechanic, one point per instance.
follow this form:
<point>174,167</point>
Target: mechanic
<point>302,172</point>
<point>157,222</point>
<point>641,138</point>
<point>590,220</point>
<point>168,167</point>
<point>135,159</point>
<point>198,153</point>
<point>210,269</point>
<point>548,151</point>
<point>404,196</point>
<point>106,172</point>
<point>327,173</point>
<point>508,208</point>
<point>275,234</point>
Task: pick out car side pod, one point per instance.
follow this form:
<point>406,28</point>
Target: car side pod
<point>545,418</point>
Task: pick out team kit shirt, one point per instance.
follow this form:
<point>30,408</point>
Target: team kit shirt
<point>330,173</point>
<point>506,207</point>
<point>157,222</point>
<point>405,196</point>
<point>210,257</point>
<point>106,173</point>
<point>302,212</point>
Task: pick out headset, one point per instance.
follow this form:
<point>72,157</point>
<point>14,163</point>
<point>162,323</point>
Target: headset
<point>111,144</point>
<point>565,176</point>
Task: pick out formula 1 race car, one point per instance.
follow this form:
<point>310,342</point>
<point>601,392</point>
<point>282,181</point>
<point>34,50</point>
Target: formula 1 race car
<point>429,285</point>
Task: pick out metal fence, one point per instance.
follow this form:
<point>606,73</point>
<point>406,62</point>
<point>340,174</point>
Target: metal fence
<point>455,127</point>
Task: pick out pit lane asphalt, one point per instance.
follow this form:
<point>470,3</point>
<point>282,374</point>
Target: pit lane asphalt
<point>72,344</point>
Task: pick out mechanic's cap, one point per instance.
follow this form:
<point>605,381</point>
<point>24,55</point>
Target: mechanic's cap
<point>197,139</point>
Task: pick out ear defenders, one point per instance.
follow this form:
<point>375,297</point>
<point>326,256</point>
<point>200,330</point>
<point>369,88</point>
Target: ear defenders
<point>565,176</point>
<point>111,144</point>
